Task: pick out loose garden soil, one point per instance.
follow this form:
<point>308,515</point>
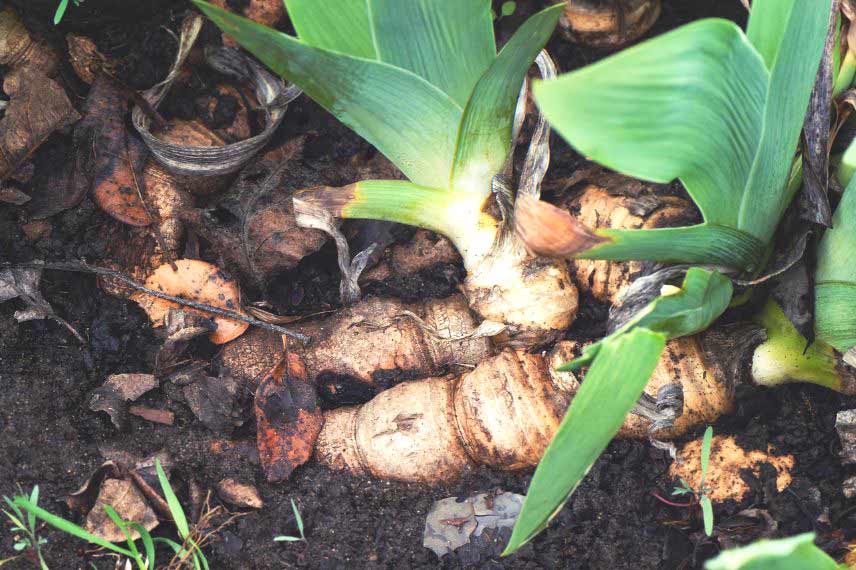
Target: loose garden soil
<point>49,437</point>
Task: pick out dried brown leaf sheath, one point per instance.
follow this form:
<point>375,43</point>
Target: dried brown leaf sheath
<point>38,107</point>
<point>550,231</point>
<point>85,58</point>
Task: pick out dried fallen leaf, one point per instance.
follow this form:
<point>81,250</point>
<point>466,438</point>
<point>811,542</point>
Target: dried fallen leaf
<point>471,526</point>
<point>112,397</point>
<point>727,459</point>
<point>241,495</point>
<point>128,502</point>
<point>288,419</point>
<point>216,402</point>
<point>108,160</point>
<point>199,281</point>
<point>23,284</point>
<point>11,195</point>
<point>38,107</point>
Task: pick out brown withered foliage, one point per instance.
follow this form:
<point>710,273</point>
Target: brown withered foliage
<point>38,107</point>
<point>108,160</point>
<point>288,419</point>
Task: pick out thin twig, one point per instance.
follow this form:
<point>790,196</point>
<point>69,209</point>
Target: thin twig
<point>672,503</point>
<point>81,267</point>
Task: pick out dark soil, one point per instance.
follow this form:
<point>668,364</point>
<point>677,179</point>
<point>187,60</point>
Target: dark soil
<point>49,437</point>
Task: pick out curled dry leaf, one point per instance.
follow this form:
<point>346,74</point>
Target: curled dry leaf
<point>608,24</point>
<point>238,494</point>
<point>288,419</point>
<point>216,402</point>
<point>38,107</point>
<point>107,160</point>
<point>194,280</point>
<point>128,502</point>
<point>727,459</point>
<point>18,49</point>
<point>112,397</point>
<point>11,195</point>
<point>166,197</point>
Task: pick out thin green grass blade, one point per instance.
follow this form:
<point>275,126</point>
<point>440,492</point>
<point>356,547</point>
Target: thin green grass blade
<point>705,454</point>
<point>484,137</point>
<point>688,104</point>
<point>410,121</point>
<point>707,514</point>
<point>794,553</point>
<point>176,547</point>
<point>148,543</point>
<point>297,517</point>
<point>704,295</point>
<point>342,26</point>
<point>34,499</point>
<point>449,43</point>
<point>793,71</point>
<point>69,527</point>
<point>123,526</point>
<point>611,388</point>
<point>172,501</point>
<point>287,539</point>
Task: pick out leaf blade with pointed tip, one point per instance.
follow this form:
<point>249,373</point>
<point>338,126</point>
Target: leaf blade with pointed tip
<point>679,106</point>
<point>611,388</point>
<point>484,136</point>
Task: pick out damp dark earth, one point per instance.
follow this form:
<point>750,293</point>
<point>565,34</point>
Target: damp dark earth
<point>62,428</point>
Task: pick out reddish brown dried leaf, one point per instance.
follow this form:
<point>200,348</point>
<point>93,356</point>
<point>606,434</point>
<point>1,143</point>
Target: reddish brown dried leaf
<point>288,419</point>
<point>107,158</point>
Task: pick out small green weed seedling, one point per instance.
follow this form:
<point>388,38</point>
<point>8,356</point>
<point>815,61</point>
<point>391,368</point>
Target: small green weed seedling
<point>25,527</point>
<point>701,494</point>
<point>299,519</point>
<point>61,8</point>
<point>188,553</point>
